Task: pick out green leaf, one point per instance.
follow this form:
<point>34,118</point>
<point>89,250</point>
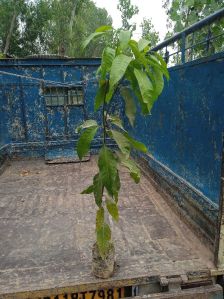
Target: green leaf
<point>135,177</point>
<point>134,47</point>
<point>85,140</point>
<point>118,69</point>
<point>124,37</point>
<point>164,66</point>
<point>98,71</point>
<point>107,60</point>
<point>115,120</point>
<point>112,209</point>
<point>145,85</point>
<point>136,144</point>
<point>100,95</point>
<point>99,218</point>
<point>116,187</point>
<point>88,190</point>
<point>135,88</point>
<point>130,108</point>
<point>98,189</point>
<point>159,82</point>
<point>104,28</point>
<point>142,44</point>
<point>91,37</point>
<point>122,142</point>
<point>107,164</point>
<point>157,61</point>
<point>103,239</point>
<point>161,60</point>
<point>87,124</point>
<point>134,170</point>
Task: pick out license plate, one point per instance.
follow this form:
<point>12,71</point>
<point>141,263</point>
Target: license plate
<point>113,293</point>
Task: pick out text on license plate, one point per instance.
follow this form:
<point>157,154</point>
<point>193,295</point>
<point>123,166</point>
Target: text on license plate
<point>115,293</point>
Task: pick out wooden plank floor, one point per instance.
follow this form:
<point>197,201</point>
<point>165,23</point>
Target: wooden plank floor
<point>47,230</point>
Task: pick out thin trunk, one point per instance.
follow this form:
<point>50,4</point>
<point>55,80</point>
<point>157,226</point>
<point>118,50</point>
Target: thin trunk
<point>8,39</point>
<point>72,18</point>
<point>104,121</point>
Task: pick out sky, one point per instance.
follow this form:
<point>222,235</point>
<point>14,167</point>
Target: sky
<point>147,8</point>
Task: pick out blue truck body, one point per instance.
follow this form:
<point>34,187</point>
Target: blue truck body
<point>183,132</point>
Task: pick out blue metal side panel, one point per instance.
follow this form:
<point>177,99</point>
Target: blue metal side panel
<point>75,116</point>
<point>55,122</point>
<point>90,88</point>
<point>34,113</point>
<point>52,73</point>
<point>25,120</point>
<point>9,101</point>
<point>185,129</point>
<point>4,136</point>
<point>16,129</point>
<point>4,121</point>
<point>71,74</point>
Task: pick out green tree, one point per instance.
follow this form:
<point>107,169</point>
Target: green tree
<point>127,12</point>
<point>70,29</point>
<point>149,33</point>
<point>132,61</point>
<point>11,15</point>
<point>96,17</point>
<point>61,25</point>
<point>22,26</point>
<point>33,36</point>
<point>49,26</point>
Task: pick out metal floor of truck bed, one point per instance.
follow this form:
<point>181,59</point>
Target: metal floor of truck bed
<point>47,231</point>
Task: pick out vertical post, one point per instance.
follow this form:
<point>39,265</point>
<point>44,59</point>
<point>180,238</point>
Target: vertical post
<point>219,242</point>
<point>167,56</point>
<point>183,42</point>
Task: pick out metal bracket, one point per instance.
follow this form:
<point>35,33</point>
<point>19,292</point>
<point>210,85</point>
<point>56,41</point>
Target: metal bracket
<point>173,283</point>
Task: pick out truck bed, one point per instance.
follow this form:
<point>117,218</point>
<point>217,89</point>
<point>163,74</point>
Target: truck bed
<point>47,231</point>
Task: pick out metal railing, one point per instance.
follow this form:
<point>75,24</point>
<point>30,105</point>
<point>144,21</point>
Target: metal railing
<point>202,39</point>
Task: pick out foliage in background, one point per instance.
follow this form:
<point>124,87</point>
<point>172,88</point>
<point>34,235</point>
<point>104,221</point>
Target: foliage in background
<point>49,26</point>
<point>149,32</point>
<point>127,12</point>
<point>72,22</point>
<point>27,19</point>
<point>31,27</point>
<point>128,68</point>
<point>182,14</point>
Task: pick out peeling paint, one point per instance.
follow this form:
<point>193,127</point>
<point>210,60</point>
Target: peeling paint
<point>183,132</point>
<point>185,129</point>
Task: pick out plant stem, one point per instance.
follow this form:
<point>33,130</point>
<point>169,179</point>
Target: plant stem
<point>104,116</point>
<point>104,123</point>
